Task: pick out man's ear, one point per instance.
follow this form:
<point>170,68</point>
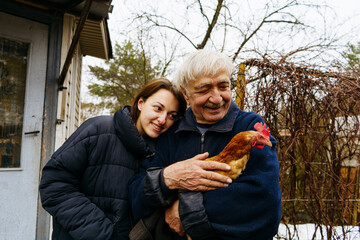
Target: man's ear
<point>140,103</point>
<point>184,93</point>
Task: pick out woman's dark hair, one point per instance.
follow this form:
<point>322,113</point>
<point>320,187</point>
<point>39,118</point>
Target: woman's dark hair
<point>152,87</point>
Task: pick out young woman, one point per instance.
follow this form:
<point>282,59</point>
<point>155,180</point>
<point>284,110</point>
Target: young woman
<point>84,184</point>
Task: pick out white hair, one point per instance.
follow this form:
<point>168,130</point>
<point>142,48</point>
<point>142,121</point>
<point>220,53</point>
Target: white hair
<point>203,62</point>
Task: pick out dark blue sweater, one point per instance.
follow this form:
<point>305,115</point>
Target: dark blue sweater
<point>250,208</point>
<point>84,184</point>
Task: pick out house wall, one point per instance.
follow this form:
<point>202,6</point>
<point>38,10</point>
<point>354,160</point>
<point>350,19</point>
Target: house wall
<point>69,98</point>
<point>57,105</point>
<point>24,59</point>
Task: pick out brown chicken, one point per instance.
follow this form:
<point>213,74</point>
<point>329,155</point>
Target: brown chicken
<point>237,151</point>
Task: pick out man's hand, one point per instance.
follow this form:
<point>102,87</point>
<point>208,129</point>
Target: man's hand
<point>196,175</point>
<point>172,218</point>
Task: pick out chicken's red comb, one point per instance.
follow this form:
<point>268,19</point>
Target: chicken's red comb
<point>261,127</point>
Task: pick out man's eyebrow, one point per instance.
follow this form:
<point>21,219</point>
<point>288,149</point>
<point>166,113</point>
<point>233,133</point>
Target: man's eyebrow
<point>201,86</point>
<point>207,84</point>
<point>227,80</point>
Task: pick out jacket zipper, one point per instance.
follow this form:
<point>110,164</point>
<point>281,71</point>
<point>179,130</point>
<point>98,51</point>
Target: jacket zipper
<point>202,143</point>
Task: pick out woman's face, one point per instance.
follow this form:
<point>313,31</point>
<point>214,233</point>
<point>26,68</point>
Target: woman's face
<point>157,113</point>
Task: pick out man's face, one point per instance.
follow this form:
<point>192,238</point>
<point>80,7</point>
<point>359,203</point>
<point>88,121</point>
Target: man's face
<point>209,97</point>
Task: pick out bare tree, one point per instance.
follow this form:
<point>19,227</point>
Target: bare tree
<point>239,28</point>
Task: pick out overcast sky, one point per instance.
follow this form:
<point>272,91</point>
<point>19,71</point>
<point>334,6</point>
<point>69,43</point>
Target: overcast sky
<point>343,16</point>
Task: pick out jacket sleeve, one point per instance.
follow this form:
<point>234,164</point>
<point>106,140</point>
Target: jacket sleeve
<point>61,196</point>
<point>147,190</point>
<point>250,208</point>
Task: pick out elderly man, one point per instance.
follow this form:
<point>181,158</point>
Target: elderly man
<point>196,200</point>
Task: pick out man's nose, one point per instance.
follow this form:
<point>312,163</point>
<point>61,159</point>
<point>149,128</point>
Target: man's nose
<point>215,96</point>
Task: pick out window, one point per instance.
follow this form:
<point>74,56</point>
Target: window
<point>13,65</point>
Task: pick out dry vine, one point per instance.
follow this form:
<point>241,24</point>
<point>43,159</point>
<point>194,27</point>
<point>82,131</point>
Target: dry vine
<point>315,117</point>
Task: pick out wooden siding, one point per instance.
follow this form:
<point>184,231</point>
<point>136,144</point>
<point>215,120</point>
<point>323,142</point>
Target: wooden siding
<point>69,98</point>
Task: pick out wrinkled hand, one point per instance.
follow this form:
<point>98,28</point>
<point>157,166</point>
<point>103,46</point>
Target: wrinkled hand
<point>172,218</point>
<point>196,175</point>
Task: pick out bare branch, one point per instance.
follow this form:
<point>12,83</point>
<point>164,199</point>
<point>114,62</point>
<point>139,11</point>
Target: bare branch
<point>168,61</point>
<point>301,49</point>
<point>246,39</point>
<point>202,12</point>
<point>172,28</point>
<point>265,20</point>
<point>211,26</point>
<point>284,21</point>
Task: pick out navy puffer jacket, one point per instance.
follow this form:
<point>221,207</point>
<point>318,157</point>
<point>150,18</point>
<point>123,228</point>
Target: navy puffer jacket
<point>248,209</point>
<point>84,184</point>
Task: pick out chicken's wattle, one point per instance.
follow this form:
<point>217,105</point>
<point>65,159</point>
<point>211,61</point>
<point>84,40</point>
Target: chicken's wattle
<point>259,146</point>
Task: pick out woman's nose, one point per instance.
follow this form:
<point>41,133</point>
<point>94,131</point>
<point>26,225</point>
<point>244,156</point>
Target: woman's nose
<point>162,118</point>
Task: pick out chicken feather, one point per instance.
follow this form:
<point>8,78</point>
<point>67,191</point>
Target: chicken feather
<point>237,152</point>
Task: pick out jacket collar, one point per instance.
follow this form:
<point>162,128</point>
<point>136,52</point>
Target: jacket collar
<point>129,135</point>
<point>226,124</point>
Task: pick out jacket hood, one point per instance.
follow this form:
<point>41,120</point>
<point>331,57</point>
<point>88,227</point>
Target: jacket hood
<point>130,136</point>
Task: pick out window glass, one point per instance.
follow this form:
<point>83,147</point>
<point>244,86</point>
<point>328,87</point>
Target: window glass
<point>13,65</point>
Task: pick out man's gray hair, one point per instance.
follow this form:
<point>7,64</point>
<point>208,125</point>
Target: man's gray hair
<point>203,62</point>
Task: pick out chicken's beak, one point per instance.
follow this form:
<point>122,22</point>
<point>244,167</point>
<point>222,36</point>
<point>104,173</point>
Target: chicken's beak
<point>268,143</point>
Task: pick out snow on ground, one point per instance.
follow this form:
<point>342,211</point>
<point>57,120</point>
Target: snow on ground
<point>306,232</point>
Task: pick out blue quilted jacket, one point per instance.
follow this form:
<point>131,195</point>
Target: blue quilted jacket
<point>249,208</point>
<point>84,184</point>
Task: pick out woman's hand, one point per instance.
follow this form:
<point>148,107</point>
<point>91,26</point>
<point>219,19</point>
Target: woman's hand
<point>172,218</point>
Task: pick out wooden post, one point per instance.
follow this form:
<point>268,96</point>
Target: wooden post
<point>240,87</point>
<point>84,14</point>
